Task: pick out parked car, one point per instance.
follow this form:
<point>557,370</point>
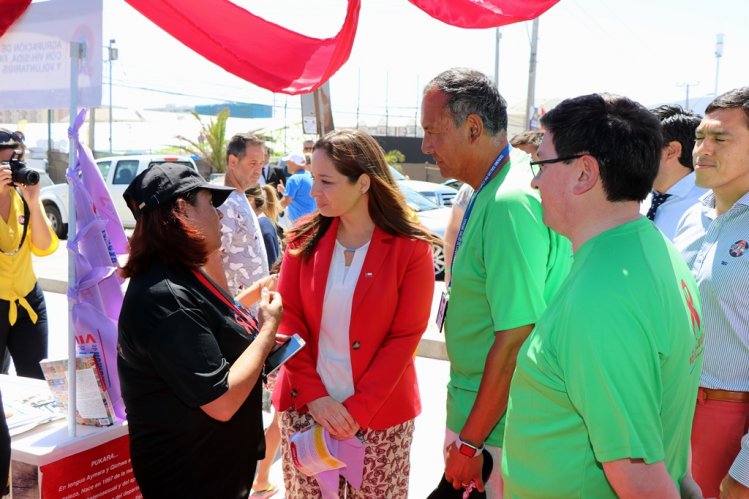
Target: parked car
<point>434,218</point>
<point>117,171</point>
<point>453,182</point>
<point>440,194</point>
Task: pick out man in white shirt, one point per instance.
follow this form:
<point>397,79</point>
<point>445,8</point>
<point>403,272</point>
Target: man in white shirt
<point>243,259</point>
<point>674,190</point>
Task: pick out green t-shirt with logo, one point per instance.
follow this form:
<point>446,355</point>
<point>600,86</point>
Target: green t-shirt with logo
<point>506,270</point>
<point>610,372</point>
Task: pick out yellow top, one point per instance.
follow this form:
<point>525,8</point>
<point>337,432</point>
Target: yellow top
<point>17,277</point>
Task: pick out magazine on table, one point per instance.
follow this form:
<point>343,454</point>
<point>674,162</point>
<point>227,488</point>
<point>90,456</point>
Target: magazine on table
<point>93,406</point>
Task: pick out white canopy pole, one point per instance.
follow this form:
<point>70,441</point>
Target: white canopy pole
<point>77,52</point>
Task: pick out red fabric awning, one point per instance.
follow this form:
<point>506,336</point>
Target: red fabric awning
<point>483,13</point>
<point>256,50</point>
<point>281,60</point>
<point>10,10</point>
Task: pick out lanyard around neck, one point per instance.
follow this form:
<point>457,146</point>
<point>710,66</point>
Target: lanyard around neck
<point>243,317</point>
<point>496,166</point>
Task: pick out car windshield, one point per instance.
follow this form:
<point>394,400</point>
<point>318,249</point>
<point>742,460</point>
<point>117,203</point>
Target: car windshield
<point>396,174</point>
<point>416,201</point>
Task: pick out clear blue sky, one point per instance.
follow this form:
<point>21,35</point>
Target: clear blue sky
<point>640,48</point>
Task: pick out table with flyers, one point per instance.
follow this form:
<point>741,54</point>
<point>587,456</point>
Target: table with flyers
<point>93,463</point>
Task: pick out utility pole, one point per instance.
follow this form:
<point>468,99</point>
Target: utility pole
<point>531,100</point>
<point>387,94</point>
<point>718,55</point>
<point>496,56</point>
<point>358,96</point>
<point>687,85</point>
<point>113,56</point>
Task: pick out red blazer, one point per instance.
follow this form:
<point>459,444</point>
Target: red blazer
<point>389,313</point>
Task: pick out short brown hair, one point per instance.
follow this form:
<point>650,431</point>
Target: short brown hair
<point>163,234</point>
<point>238,144</point>
<point>531,137</point>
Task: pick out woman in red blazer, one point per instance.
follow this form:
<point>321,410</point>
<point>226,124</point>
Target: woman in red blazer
<point>357,282</point>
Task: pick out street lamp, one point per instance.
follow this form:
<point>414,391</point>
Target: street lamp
<point>113,55</point>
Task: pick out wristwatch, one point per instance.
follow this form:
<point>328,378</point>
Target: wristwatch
<point>467,449</point>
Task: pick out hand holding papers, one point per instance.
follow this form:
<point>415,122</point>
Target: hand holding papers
<point>316,454</point>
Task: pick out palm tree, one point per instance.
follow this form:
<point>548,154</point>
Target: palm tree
<point>211,143</point>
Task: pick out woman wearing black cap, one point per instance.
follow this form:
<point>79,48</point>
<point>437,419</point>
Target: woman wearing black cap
<point>190,357</point>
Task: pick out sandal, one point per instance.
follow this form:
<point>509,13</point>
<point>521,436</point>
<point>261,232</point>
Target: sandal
<point>265,493</point>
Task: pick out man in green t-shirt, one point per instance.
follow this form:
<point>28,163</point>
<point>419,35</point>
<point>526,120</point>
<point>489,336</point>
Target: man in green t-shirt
<point>602,400</point>
<point>507,265</point>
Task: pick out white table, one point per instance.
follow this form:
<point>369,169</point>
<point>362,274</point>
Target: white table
<point>50,443</point>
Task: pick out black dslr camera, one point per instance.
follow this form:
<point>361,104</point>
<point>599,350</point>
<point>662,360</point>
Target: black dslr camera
<point>19,173</point>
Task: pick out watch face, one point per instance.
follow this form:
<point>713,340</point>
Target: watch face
<point>467,450</point>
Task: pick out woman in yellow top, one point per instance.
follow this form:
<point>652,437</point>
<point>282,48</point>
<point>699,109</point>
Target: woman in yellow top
<point>24,229</point>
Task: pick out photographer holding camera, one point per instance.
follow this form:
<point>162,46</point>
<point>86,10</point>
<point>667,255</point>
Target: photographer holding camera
<point>24,229</point>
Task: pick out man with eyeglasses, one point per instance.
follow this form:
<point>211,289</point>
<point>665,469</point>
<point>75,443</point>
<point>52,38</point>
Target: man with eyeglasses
<point>602,399</point>
<point>506,268</point>
<point>713,237</point>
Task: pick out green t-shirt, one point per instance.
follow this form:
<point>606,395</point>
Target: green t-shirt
<point>610,372</point>
<point>505,272</point>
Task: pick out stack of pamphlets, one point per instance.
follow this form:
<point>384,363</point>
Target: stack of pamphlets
<point>24,411</point>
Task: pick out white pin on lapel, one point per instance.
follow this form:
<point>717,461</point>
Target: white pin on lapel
<point>368,274</point>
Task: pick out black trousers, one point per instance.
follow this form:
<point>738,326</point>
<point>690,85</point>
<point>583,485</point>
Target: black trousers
<point>26,341</point>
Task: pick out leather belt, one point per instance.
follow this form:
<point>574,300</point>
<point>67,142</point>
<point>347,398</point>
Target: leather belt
<point>723,395</point>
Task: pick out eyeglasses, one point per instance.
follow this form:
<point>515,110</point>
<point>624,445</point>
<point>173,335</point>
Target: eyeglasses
<point>537,167</point>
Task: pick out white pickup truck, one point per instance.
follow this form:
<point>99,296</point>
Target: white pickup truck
<point>117,171</point>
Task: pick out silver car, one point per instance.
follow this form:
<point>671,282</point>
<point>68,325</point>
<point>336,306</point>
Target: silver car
<point>434,219</point>
<point>439,194</point>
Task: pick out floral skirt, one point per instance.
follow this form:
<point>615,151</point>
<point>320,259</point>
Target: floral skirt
<point>386,462</point>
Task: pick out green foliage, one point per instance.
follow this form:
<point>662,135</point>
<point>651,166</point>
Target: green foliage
<point>394,158</point>
<point>211,143</point>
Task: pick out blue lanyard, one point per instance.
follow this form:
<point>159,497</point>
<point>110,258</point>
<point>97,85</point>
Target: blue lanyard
<point>495,166</point>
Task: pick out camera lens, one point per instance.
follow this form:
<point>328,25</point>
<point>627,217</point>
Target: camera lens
<point>24,175</point>
<point>31,177</point>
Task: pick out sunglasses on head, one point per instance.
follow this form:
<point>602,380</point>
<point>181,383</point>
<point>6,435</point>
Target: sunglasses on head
<point>9,138</point>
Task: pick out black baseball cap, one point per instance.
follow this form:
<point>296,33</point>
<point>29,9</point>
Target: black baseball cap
<point>164,182</point>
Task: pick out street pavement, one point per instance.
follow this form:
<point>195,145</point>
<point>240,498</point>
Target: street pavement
<point>431,367</point>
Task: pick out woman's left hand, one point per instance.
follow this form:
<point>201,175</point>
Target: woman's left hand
<point>30,192</point>
<point>334,417</point>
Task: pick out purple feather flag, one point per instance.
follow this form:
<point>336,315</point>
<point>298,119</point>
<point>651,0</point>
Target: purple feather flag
<point>97,190</point>
<point>97,291</point>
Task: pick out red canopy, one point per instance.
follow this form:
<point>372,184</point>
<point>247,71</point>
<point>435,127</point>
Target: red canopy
<point>10,10</point>
<point>268,55</point>
<point>281,60</point>
<point>483,13</point>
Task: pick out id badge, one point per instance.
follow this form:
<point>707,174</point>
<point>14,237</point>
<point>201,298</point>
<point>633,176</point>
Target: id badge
<point>442,311</point>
